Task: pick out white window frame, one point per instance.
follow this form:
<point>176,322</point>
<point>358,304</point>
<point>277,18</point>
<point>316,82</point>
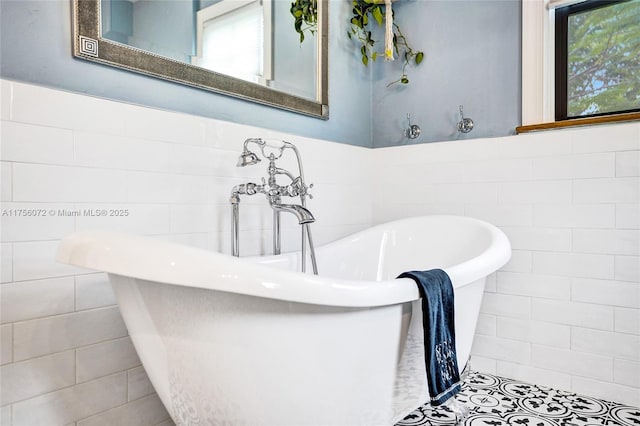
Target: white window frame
<point>538,59</point>
<point>226,6</point>
<point>538,64</point>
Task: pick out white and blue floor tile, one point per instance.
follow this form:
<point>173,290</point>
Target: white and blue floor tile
<point>497,401</point>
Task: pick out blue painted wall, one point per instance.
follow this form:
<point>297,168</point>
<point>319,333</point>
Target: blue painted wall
<point>36,48</point>
<point>472,50</point>
<point>472,57</point>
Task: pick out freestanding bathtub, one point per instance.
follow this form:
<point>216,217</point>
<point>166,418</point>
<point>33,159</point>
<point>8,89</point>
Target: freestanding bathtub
<point>246,341</point>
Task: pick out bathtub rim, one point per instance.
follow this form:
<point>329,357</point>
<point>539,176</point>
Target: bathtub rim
<point>172,263</point>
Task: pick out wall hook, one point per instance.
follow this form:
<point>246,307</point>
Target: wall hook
<point>465,125</point>
<point>413,131</point>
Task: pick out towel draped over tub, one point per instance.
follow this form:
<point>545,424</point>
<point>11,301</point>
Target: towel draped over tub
<point>436,292</point>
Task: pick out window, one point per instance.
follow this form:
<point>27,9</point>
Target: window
<point>248,24</point>
<point>597,58</point>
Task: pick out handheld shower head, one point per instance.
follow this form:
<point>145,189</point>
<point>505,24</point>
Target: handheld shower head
<point>247,158</point>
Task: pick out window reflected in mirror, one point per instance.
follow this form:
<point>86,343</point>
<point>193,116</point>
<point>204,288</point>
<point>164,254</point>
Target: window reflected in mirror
<point>248,24</point>
<point>252,40</point>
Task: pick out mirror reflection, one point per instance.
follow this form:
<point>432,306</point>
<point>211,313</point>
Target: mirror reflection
<point>252,40</point>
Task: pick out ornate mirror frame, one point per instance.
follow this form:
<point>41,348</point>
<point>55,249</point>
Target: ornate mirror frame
<point>89,44</point>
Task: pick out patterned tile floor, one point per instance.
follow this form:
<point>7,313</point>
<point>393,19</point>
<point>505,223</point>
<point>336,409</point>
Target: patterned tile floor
<point>496,401</point>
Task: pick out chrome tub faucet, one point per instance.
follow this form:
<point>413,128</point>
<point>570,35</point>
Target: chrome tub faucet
<point>274,193</point>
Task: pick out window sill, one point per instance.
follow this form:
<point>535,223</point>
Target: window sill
<point>575,122</point>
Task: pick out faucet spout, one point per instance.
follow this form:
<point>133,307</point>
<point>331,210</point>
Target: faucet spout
<point>301,213</point>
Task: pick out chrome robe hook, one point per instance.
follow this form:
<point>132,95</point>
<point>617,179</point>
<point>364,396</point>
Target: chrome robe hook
<point>413,131</point>
<point>465,125</point>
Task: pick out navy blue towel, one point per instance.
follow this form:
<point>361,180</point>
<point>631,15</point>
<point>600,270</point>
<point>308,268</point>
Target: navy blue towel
<point>436,292</point>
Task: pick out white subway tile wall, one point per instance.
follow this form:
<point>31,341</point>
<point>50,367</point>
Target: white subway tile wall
<point>65,354</point>
<point>565,311</point>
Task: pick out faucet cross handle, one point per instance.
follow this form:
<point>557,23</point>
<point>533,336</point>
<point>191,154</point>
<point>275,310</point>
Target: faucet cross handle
<point>296,188</point>
<point>306,191</point>
<point>254,188</point>
<point>301,188</point>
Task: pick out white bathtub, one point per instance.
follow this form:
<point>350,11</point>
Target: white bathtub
<point>240,341</point>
